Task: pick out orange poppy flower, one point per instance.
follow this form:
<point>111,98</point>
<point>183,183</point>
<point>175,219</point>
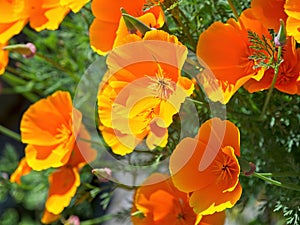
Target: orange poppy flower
<point>288,79</point>
<point>269,12</point>
<point>225,49</point>
<point>44,14</point>
<point>64,181</point>
<point>103,30</point>
<point>206,167</point>
<point>292,9</point>
<point>21,170</point>
<point>3,58</point>
<point>142,91</point>
<point>158,202</point>
<point>50,141</point>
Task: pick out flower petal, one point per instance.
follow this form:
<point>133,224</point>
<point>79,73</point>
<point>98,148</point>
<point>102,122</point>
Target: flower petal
<point>22,169</point>
<point>63,186</point>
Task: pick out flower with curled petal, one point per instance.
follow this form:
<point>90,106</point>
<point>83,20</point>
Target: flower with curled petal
<point>49,128</point>
<point>206,167</point>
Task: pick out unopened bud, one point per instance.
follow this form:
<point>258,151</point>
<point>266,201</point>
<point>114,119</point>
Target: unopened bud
<point>73,220</point>
<point>280,38</point>
<point>27,50</point>
<point>103,174</point>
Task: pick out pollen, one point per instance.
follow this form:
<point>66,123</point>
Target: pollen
<point>161,86</point>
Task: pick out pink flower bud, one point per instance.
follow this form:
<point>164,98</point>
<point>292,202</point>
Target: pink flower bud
<point>103,174</point>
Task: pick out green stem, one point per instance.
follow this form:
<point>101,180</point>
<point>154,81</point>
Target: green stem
<point>98,220</point>
<point>195,101</point>
<point>284,174</point>
<point>273,82</point>
<point>14,81</point>
<point>10,133</point>
<point>57,65</point>
<point>235,13</point>
<point>277,183</point>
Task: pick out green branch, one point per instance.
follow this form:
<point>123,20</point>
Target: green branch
<point>10,133</point>
<point>277,183</point>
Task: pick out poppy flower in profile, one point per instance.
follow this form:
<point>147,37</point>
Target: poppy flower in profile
<point>3,58</point>
<point>64,181</point>
<point>50,141</point>
<point>22,169</point>
<point>103,30</point>
<point>142,90</point>
<point>224,49</point>
<point>292,9</point>
<point>158,202</point>
<point>206,167</point>
<point>288,74</point>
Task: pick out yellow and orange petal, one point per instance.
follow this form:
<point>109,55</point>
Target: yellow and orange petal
<point>103,30</point>
<point>74,5</point>
<point>22,169</point>
<point>63,184</point>
<point>288,73</point>
<point>292,9</point>
<point>46,14</point>
<point>143,89</point>
<point>49,217</point>
<point>214,186</point>
<point>3,58</point>
<point>14,16</point>
<point>214,219</point>
<point>50,141</point>
<point>159,202</point>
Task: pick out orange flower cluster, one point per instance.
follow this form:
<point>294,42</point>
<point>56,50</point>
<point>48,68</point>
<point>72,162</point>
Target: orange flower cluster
<point>41,14</point>
<point>108,26</point>
<point>159,202</point>
<point>55,143</point>
<point>228,59</point>
<point>142,90</point>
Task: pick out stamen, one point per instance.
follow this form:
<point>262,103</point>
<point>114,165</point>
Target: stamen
<point>163,87</point>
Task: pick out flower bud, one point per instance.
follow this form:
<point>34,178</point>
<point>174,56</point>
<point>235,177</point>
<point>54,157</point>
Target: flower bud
<point>73,220</point>
<point>280,38</point>
<point>27,50</point>
<point>103,174</point>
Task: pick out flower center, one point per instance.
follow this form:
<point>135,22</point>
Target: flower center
<point>162,87</point>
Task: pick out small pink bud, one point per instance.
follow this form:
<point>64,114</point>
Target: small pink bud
<point>27,50</point>
<point>73,220</point>
<point>280,38</point>
<point>32,52</point>
<point>103,174</point>
<point>251,170</point>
